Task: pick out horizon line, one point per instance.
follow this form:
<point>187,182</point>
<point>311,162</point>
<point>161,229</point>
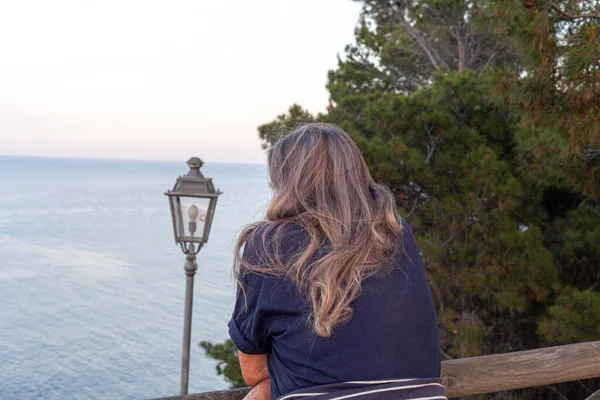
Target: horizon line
<point>122,159</point>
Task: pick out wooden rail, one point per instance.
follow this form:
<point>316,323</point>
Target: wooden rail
<point>495,373</point>
<point>522,369</point>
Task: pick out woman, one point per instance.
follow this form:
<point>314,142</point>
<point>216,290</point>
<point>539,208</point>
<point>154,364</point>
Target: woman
<point>332,297</point>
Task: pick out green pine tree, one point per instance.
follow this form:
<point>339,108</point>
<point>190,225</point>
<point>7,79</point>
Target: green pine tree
<point>558,100</point>
<point>400,44</point>
<point>228,364</point>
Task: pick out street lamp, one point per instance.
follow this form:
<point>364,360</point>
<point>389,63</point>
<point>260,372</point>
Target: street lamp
<point>193,200</point>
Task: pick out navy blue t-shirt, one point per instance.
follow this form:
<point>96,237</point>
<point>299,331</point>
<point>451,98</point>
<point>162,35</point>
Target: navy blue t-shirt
<point>392,333</point>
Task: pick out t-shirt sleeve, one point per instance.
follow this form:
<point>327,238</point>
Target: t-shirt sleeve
<point>248,327</point>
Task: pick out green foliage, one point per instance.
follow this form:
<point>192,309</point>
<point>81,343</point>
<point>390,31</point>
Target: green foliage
<point>496,169</point>
<point>284,123</point>
<point>558,100</point>
<point>574,317</point>
<point>228,364</point>
<point>575,239</point>
<point>401,44</point>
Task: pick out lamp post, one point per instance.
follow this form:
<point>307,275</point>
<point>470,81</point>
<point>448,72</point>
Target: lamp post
<point>193,200</point>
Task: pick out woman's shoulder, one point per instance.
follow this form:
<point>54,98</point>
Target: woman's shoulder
<point>407,233</point>
<point>281,238</point>
<point>405,226</point>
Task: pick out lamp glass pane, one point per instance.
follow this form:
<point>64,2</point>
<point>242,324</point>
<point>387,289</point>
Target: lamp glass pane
<point>176,212</point>
<point>194,213</point>
<point>209,219</point>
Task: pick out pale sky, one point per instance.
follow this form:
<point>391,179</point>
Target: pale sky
<point>161,80</point>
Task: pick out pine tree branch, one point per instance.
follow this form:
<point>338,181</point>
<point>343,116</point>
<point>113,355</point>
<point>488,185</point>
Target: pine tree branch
<point>432,142</point>
<point>451,238</point>
<point>446,354</point>
<point>414,206</point>
<point>434,58</point>
<point>443,23</point>
<point>475,48</point>
<point>494,55</point>
<point>562,396</point>
<point>467,225</point>
<point>573,17</point>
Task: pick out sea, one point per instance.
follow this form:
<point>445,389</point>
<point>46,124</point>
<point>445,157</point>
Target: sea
<point>92,283</point>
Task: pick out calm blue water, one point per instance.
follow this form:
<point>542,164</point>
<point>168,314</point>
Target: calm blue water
<point>92,284</point>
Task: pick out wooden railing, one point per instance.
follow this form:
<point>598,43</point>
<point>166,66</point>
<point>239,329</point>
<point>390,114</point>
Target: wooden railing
<point>495,373</point>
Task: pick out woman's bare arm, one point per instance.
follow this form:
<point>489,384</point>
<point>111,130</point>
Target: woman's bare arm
<point>254,367</point>
<point>256,374</point>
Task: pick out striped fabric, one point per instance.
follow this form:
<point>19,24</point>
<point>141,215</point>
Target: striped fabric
<point>400,389</point>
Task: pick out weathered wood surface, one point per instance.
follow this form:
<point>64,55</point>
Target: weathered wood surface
<point>509,371</point>
<point>495,373</point>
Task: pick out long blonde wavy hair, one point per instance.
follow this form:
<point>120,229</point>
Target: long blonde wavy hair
<point>321,183</point>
